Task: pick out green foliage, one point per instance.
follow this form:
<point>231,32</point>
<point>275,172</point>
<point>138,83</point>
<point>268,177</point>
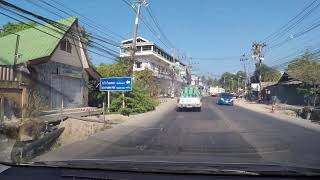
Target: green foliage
<point>137,100</point>
<point>10,27</point>
<point>86,37</point>
<point>268,74</point>
<point>125,111</point>
<point>304,69</point>
<point>141,99</point>
<point>212,82</point>
<point>113,70</point>
<point>95,96</point>
<point>307,71</point>
<point>145,81</point>
<point>229,81</point>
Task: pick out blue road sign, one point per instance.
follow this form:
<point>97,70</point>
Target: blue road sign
<point>116,84</point>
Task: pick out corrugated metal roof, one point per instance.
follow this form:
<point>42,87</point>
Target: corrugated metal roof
<point>33,43</point>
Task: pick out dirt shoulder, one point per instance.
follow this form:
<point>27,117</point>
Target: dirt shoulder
<point>86,136</point>
<point>280,113</point>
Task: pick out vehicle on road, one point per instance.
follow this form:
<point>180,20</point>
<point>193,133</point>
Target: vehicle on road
<point>190,99</point>
<point>226,99</point>
<point>214,91</point>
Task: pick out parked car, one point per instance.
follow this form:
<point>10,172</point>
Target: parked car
<point>226,99</point>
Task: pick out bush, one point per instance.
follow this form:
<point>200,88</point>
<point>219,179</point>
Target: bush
<point>137,101</point>
<point>125,111</point>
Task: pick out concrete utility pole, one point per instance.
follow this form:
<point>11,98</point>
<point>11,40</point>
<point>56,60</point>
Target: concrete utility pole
<point>16,56</point>
<point>238,86</point>
<point>190,68</point>
<point>244,59</point>
<point>137,4</point>
<point>173,73</point>
<point>258,55</point>
<point>231,85</point>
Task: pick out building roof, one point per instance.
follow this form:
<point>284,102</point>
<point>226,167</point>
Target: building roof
<point>138,38</point>
<point>288,80</point>
<point>33,43</point>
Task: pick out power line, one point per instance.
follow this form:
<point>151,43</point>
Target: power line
<point>52,35</point>
<point>53,23</point>
<point>298,34</point>
<point>97,37</point>
<point>94,23</point>
<point>147,25</point>
<point>287,27</point>
<point>156,22</point>
<point>215,58</point>
<point>284,64</point>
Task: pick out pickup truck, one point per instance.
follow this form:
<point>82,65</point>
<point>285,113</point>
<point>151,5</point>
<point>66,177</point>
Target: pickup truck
<point>190,99</point>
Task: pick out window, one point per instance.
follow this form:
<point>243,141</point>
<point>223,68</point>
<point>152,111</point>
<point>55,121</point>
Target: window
<point>138,64</point>
<point>65,45</point>
<point>146,48</point>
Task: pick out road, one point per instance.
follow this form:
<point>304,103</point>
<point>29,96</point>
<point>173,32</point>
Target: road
<point>220,134</point>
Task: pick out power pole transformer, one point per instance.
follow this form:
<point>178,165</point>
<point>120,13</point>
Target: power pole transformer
<point>258,55</point>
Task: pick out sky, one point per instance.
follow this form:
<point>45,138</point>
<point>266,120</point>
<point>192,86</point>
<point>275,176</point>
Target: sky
<point>200,29</point>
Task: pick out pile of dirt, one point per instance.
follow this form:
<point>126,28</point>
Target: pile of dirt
<point>77,130</point>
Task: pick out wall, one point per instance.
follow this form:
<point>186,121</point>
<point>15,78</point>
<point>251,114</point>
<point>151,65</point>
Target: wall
<point>12,100</point>
<point>76,57</point>
<point>55,81</point>
<point>287,94</point>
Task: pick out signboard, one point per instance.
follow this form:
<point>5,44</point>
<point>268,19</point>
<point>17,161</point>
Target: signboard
<point>116,84</point>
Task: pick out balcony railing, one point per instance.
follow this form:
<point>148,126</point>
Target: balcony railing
<point>6,73</point>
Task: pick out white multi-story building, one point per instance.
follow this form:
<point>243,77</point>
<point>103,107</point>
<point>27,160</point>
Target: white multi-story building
<point>167,70</point>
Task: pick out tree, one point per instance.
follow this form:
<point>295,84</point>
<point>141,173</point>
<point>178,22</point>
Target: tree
<point>228,81</point>
<point>145,81</point>
<point>10,27</point>
<point>307,71</point>
<point>268,74</point>
<point>113,70</point>
<point>86,37</point>
<point>141,99</point>
<point>212,82</point>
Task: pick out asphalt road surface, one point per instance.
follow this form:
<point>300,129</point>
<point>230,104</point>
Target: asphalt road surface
<point>220,134</point>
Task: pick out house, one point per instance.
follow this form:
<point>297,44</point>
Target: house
<point>51,69</point>
<point>170,73</point>
<point>287,90</point>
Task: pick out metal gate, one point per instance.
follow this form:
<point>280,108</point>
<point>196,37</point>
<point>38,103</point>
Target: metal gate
<point>68,89</point>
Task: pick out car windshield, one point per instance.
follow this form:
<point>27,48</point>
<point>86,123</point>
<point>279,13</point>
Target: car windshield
<point>213,82</point>
<point>226,96</point>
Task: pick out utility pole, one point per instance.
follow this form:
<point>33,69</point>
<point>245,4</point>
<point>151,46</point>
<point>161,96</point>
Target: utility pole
<point>16,56</point>
<point>238,84</point>
<point>173,73</point>
<point>190,67</point>
<point>231,84</point>
<point>258,55</point>
<point>244,59</point>
<point>137,4</point>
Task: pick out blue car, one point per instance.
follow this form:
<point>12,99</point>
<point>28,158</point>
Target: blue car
<point>226,99</point>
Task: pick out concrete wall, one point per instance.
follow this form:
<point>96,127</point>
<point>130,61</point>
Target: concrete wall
<point>56,80</point>
<point>12,101</point>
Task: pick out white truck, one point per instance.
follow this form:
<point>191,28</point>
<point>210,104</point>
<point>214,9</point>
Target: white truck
<point>190,99</point>
<point>215,90</point>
